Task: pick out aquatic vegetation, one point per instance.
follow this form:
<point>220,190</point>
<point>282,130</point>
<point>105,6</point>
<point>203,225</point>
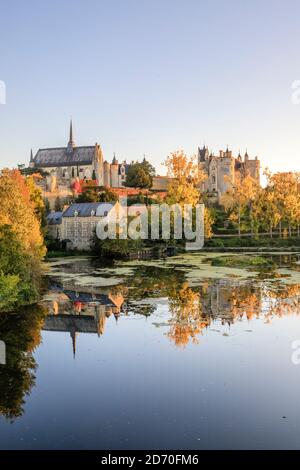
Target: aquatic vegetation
<point>242,261</point>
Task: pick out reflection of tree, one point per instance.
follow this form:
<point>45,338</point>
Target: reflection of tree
<point>284,300</point>
<point>151,283</point>
<point>186,315</point>
<point>193,309</point>
<point>21,334</point>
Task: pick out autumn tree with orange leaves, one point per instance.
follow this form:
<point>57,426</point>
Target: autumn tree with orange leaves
<point>185,184</point>
<point>21,240</point>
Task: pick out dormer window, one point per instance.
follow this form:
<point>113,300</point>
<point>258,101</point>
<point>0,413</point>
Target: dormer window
<point>75,213</point>
<point>92,213</point>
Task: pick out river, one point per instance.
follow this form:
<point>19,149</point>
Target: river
<point>162,354</point>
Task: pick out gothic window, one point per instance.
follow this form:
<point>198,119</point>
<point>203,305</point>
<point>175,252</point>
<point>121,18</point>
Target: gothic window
<point>213,179</point>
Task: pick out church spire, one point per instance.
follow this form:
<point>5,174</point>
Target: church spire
<point>31,156</point>
<point>73,336</point>
<point>71,143</point>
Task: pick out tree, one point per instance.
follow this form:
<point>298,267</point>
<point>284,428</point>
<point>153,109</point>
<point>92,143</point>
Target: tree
<point>58,206</point>
<point>184,187</point>
<point>19,272</point>
<point>239,201</point>
<point>18,210</point>
<point>140,175</point>
<point>36,198</point>
<point>91,193</point>
<point>284,188</point>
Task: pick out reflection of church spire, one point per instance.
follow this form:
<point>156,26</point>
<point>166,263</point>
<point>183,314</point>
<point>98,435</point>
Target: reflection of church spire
<point>73,334</point>
<point>117,316</point>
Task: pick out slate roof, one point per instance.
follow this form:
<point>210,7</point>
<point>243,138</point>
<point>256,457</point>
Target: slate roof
<point>102,299</point>
<point>60,157</point>
<point>84,209</point>
<point>54,218</point>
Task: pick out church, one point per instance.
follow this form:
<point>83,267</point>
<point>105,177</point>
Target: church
<point>65,164</point>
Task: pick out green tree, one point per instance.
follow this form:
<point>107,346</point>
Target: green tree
<point>96,194</point>
<point>58,206</point>
<point>140,175</point>
<point>19,271</point>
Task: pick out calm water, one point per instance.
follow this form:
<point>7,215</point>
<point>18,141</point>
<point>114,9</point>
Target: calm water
<point>162,354</point>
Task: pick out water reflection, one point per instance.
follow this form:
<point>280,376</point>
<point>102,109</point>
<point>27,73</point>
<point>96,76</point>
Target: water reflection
<point>191,310</point>
<point>81,310</point>
<point>21,333</point>
<point>86,308</point>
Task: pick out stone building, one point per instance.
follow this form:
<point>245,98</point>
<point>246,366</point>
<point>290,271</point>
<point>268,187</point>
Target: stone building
<point>222,170</point>
<point>78,224</point>
<point>54,223</point>
<point>62,165</point>
<point>161,183</point>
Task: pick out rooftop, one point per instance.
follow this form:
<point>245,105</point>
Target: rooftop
<point>87,209</point>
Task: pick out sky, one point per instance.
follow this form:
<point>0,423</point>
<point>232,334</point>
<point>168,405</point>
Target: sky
<point>151,77</point>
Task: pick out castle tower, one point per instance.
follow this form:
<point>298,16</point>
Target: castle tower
<point>114,173</point>
<point>98,165</point>
<point>203,154</point>
<point>106,173</point>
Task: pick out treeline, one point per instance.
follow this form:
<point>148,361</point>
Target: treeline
<point>21,240</point>
<point>256,210</point>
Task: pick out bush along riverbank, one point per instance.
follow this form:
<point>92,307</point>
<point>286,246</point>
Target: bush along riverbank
<point>255,244</point>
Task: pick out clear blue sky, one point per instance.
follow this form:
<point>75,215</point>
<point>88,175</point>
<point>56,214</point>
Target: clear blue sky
<point>151,76</point>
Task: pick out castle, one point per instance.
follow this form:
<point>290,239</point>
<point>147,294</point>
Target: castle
<point>64,164</point>
<point>222,170</point>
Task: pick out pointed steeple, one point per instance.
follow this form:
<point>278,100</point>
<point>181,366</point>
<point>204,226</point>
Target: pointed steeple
<point>31,156</point>
<point>73,336</point>
<point>71,143</point>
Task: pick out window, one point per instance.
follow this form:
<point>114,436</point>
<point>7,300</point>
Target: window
<point>213,179</point>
